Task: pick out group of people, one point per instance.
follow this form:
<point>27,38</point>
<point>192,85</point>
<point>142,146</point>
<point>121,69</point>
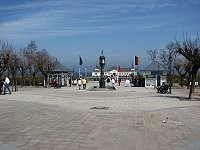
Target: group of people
<point>55,83</point>
<point>5,85</point>
<point>110,80</point>
<point>81,82</point>
<point>164,88</point>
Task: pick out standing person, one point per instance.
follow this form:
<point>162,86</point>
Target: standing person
<point>1,86</point>
<point>119,81</point>
<point>70,82</point>
<point>113,82</point>
<point>84,83</point>
<point>6,85</point>
<point>127,83</point>
<point>108,81</point>
<point>79,83</point>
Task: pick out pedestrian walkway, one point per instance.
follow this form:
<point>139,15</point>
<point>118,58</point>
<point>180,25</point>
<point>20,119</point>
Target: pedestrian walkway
<point>130,118</point>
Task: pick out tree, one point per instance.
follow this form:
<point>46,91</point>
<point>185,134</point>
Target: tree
<point>188,68</point>
<point>44,62</point>
<point>167,57</point>
<point>30,54</point>
<point>181,67</point>
<point>13,66</point>
<point>5,49</point>
<point>190,49</point>
<point>164,58</point>
<point>23,63</point>
<point>152,54</point>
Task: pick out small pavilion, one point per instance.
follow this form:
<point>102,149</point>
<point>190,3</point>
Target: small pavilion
<point>155,74</point>
<point>60,73</point>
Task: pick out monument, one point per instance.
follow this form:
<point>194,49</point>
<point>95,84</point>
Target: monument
<point>102,86</point>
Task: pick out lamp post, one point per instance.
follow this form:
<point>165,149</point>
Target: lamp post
<point>158,76</point>
<point>102,64</point>
<point>170,69</point>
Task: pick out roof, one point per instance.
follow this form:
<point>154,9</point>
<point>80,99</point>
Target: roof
<point>112,68</point>
<point>154,66</point>
<point>121,69</point>
<point>58,67</point>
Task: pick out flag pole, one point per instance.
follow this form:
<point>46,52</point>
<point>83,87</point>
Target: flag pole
<point>80,64</point>
<point>79,71</point>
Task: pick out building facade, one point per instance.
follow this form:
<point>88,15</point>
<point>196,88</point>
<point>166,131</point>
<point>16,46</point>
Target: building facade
<point>114,72</point>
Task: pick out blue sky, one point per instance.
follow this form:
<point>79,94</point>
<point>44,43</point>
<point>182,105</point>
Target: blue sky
<point>121,28</point>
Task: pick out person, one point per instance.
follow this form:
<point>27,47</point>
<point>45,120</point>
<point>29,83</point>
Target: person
<point>53,82</point>
<point>84,83</point>
<point>127,83</point>
<point>1,86</point>
<point>70,82</point>
<point>163,88</point>
<point>6,85</point>
<point>113,82</point>
<point>79,83</point>
<point>108,81</point>
<point>119,81</point>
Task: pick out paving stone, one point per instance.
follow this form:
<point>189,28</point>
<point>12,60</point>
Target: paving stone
<point>47,118</point>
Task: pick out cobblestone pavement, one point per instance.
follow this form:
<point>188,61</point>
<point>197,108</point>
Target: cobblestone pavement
<point>133,119</point>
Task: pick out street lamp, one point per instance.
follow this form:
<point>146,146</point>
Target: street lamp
<point>102,64</point>
<point>158,76</point>
<point>170,73</point>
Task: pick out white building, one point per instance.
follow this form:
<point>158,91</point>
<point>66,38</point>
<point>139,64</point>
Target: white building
<point>113,71</point>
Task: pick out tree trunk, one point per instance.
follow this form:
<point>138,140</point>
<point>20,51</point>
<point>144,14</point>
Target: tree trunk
<point>34,79</point>
<point>23,80</point>
<point>189,80</point>
<point>182,81</point>
<point>13,82</point>
<point>45,77</point>
<point>192,86</point>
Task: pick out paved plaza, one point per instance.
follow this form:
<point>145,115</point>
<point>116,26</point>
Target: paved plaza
<point>130,118</point>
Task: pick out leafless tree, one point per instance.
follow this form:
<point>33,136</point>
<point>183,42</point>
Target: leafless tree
<point>170,55</point>
<point>181,66</point>
<point>167,57</point>
<point>30,54</point>
<point>164,58</point>
<point>190,49</point>
<point>152,54</point>
<point>188,68</point>
<point>13,66</point>
<point>44,62</point>
<point>23,63</point>
<point>5,49</point>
